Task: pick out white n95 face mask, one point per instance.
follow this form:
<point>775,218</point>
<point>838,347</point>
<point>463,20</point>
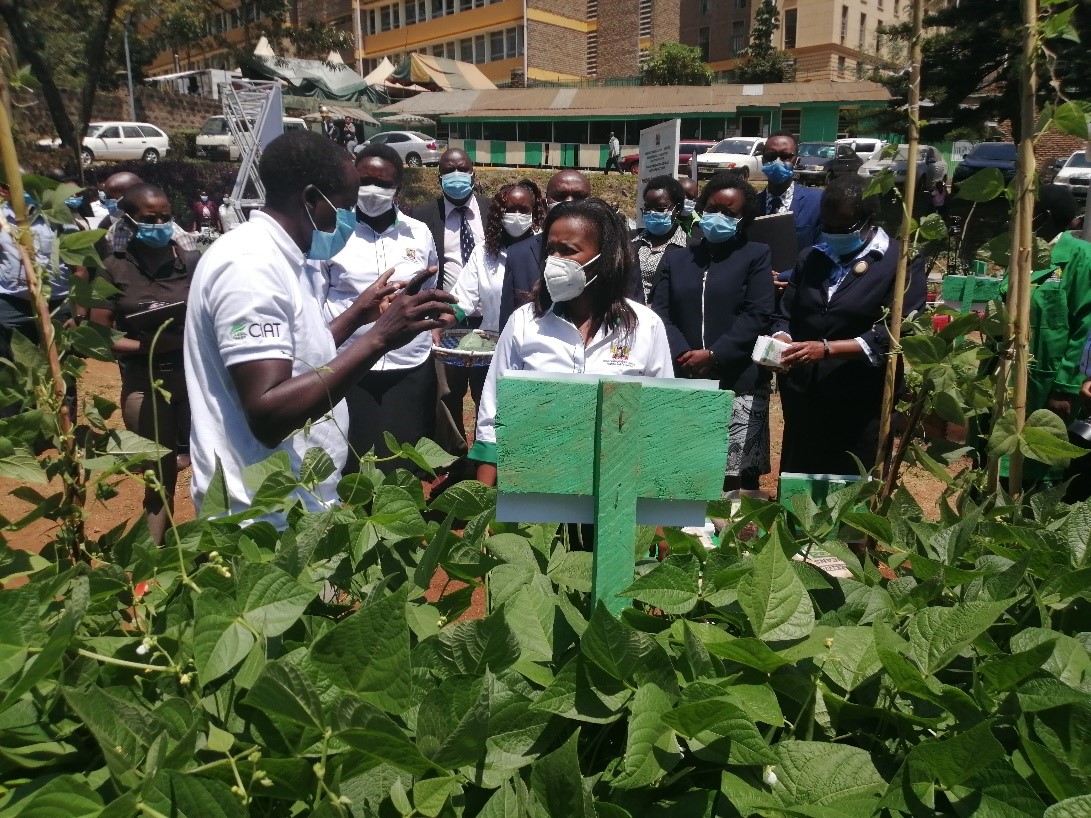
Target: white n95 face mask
<point>516,224</point>
<point>374,200</point>
<point>565,279</point>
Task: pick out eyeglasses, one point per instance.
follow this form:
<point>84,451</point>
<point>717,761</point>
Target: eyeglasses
<point>860,225</point>
<point>783,156</point>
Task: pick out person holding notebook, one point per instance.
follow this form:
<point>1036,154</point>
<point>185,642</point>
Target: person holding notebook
<point>152,273</point>
<point>715,299</point>
<point>783,195</point>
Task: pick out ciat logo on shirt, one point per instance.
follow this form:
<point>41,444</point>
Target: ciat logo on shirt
<point>240,330</point>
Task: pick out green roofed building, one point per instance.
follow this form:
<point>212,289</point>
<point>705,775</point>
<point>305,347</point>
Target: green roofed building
<point>570,125</point>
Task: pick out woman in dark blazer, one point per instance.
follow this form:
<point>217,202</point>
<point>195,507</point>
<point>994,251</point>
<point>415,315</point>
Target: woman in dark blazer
<point>834,315</point>
<point>716,298</point>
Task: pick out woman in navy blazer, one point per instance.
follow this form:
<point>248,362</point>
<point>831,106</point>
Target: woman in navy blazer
<point>834,313</point>
<point>715,299</point>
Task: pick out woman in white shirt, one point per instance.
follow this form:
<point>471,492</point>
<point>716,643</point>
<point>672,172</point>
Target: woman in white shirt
<point>516,214</point>
<point>580,320</point>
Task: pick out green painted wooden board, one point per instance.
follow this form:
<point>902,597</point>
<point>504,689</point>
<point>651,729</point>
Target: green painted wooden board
<point>580,448</point>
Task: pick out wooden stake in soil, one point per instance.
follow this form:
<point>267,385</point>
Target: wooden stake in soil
<point>1023,237</point>
<point>74,479</point>
<point>901,274</point>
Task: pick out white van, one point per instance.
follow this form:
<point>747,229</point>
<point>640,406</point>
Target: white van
<point>866,147</point>
<point>215,141</point>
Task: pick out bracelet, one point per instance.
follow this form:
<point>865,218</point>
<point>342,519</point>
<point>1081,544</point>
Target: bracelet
<point>825,349</point>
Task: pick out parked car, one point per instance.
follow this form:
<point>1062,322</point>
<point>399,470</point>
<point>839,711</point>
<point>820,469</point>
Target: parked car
<point>1075,174</point>
<point>866,147</point>
<point>124,140</point>
<point>819,162</point>
<point>686,151</point>
<point>216,142</point>
<point>1000,155</point>
<point>741,153</point>
<point>414,148</point>
<point>931,167</point>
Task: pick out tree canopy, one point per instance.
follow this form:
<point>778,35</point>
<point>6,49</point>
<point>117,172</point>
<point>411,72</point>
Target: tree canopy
<point>972,59</point>
<point>677,64</point>
<point>761,61</point>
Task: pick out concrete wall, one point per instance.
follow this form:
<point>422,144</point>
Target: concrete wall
<point>169,111</point>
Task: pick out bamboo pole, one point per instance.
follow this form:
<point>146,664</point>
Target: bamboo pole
<point>73,485</point>
<point>897,306</point>
<point>1023,237</point>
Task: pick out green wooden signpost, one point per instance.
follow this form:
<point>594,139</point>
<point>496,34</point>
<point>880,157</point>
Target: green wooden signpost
<point>614,452</point>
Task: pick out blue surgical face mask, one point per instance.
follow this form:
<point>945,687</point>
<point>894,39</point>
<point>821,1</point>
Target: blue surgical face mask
<point>719,228</point>
<point>658,224</point>
<point>688,207</point>
<point>843,244</point>
<point>74,202</point>
<point>325,246</point>
<point>457,185</point>
<point>154,235</point>
<point>204,198</point>
<point>109,204</point>
<point>777,172</point>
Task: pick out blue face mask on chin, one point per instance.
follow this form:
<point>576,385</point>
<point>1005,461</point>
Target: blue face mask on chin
<point>154,235</point>
<point>110,205</point>
<point>719,228</point>
<point>843,244</point>
<point>658,224</point>
<point>74,202</point>
<point>325,246</point>
<point>777,172</point>
<point>457,185</point>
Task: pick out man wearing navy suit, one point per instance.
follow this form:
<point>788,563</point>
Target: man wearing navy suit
<point>524,263</point>
<point>783,195</point>
<point>456,221</point>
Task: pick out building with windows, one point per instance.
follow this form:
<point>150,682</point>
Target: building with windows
<point>543,40</point>
<point>831,40</point>
<point>237,26</point>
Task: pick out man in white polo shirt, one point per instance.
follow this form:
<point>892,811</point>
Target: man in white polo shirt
<point>262,364</point>
<point>398,394</point>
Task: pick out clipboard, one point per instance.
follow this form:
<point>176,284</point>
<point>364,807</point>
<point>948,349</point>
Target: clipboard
<point>152,319</point>
<point>779,232</point>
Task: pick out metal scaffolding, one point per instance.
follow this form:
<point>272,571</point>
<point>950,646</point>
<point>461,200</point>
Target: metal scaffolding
<point>251,108</point>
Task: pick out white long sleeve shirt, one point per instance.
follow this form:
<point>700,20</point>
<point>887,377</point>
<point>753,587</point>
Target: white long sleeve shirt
<point>553,344</point>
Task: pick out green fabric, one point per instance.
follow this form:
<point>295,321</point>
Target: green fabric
<point>1049,317</point>
<point>1073,255</point>
<point>483,452</point>
<point>1049,340</point>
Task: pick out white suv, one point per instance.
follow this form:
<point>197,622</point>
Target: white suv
<point>740,153</point>
<point>124,140</point>
<point>866,147</point>
<point>1075,175</point>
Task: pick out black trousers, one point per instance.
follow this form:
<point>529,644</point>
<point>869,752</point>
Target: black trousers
<point>399,401</point>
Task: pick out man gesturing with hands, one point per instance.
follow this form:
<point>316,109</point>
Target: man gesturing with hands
<point>262,363</point>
